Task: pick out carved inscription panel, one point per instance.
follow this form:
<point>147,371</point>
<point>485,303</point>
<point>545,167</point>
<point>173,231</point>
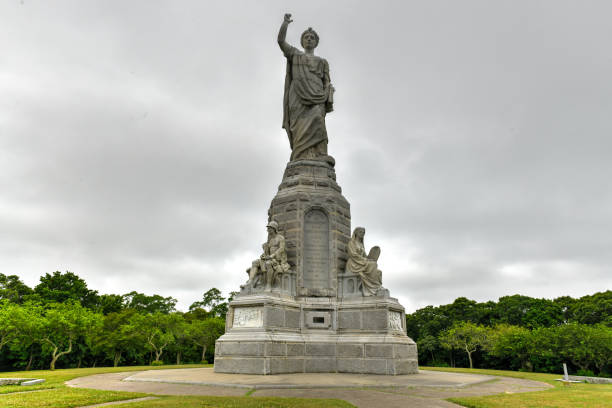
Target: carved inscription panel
<point>316,250</point>
<point>248,317</point>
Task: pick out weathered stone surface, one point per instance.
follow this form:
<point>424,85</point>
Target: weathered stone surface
<point>374,320</point>
<point>379,350</point>
<point>316,250</point>
<point>375,366</point>
<point>401,367</point>
<point>292,318</point>
<point>320,365</point>
<point>402,351</point>
<point>274,316</point>
<point>295,349</point>
<point>240,365</point>
<point>21,381</point>
<point>286,365</point>
<point>349,350</point>
<point>240,349</point>
<point>351,365</point>
<point>276,349</point>
<point>34,381</point>
<point>349,320</point>
<point>320,349</point>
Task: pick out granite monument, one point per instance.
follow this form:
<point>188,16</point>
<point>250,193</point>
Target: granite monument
<point>314,300</point>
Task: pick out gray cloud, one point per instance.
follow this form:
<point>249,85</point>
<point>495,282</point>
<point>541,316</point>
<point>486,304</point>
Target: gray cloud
<point>140,144</point>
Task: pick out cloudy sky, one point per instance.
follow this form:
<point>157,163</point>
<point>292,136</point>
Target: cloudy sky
<point>141,141</point>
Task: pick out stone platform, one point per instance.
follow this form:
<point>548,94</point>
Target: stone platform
<point>428,389</point>
<point>206,376</point>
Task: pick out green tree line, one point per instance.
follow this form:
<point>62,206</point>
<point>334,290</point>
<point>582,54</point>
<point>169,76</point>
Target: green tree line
<point>518,333</point>
<point>62,323</point>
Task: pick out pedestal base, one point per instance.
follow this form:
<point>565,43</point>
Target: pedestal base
<point>281,353</point>
<point>274,335</point>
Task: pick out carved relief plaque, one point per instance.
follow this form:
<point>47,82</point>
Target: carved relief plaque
<point>395,321</point>
<point>248,317</point>
<point>316,250</point>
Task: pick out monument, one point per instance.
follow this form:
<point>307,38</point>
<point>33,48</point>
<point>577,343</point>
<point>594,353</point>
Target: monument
<point>313,301</point>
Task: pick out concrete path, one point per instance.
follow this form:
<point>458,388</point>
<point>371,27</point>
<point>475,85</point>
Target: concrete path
<point>426,389</point>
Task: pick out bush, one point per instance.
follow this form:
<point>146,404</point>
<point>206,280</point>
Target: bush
<point>157,363</point>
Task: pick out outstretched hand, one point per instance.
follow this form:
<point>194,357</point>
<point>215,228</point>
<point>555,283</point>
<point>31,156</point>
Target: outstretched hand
<point>288,18</point>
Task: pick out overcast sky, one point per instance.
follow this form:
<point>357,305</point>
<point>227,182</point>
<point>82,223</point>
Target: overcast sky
<point>141,141</point>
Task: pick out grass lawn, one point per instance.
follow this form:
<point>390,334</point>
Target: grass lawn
<point>239,402</point>
<point>561,396</point>
<point>55,379</point>
<point>54,394</point>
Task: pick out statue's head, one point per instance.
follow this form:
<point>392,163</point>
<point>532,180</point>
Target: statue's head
<point>358,233</point>
<point>309,39</point>
<point>273,225</point>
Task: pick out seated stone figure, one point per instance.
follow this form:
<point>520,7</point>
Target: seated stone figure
<point>272,262</point>
<point>364,265</point>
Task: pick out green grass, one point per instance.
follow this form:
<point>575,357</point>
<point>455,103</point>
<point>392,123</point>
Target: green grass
<point>54,394</point>
<point>55,379</point>
<point>239,402</point>
<point>560,396</point>
<point>63,397</point>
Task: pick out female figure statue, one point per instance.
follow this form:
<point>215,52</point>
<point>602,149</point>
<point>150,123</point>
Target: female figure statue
<point>308,96</point>
<point>364,265</point>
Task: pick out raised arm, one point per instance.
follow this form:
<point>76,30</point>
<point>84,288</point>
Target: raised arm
<point>282,34</point>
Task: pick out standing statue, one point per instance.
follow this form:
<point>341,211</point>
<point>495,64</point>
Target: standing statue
<point>273,260</point>
<point>308,96</point>
<point>364,265</point>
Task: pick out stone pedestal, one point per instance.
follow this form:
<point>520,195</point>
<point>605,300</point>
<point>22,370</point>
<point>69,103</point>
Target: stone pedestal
<point>270,335</point>
<point>315,318</point>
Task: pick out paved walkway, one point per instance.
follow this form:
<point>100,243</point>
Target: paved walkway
<point>426,389</point>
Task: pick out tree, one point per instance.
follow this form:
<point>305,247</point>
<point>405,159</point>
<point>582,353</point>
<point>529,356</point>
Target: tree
<point>204,333</point>
<point>181,338</point>
<point>157,330</point>
<point>429,320</point>
<point>116,339</point>
<point>149,304</point>
<point>213,302</point>
<point>601,347</point>
<point>578,343</point>
<point>64,287</point>
<point>528,312</point>
<point>593,309</point>
<point>8,330</point>
<point>466,336</point>
<point>511,343</point>
<point>63,323</point>
<point>110,304</point>
<point>428,344</point>
<point>13,289</point>
<point>28,323</point>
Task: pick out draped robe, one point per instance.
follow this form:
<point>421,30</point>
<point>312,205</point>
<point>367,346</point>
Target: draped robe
<point>306,101</point>
<point>359,263</point>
